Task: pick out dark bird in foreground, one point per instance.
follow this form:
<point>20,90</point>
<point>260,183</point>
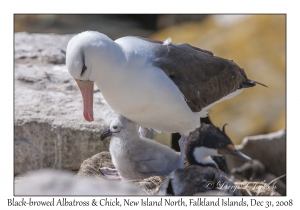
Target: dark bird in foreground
<point>203,174</point>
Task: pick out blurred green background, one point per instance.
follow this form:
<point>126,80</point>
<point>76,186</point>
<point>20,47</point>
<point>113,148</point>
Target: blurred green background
<point>256,43</point>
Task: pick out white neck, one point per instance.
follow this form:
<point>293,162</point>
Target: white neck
<point>106,65</point>
<point>202,155</point>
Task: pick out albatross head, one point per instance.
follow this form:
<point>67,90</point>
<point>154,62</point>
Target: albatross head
<point>121,127</point>
<point>87,58</point>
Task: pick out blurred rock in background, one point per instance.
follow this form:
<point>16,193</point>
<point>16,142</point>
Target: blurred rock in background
<point>114,26</point>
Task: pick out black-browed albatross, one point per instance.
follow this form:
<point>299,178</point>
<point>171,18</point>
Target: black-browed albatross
<point>158,85</point>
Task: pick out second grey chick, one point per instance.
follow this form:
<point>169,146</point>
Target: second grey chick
<point>137,157</point>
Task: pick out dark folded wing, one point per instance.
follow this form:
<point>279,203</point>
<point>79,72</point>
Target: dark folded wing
<point>202,77</point>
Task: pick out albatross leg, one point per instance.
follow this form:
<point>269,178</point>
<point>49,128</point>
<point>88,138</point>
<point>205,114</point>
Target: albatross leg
<point>181,143</point>
<point>110,173</point>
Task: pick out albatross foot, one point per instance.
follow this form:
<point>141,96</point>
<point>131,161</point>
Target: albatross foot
<point>110,173</point>
<point>181,143</point>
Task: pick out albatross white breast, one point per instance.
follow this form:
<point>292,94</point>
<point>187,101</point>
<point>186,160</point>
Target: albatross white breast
<point>157,85</point>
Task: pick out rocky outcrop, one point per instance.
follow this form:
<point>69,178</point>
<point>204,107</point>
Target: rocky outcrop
<point>49,129</point>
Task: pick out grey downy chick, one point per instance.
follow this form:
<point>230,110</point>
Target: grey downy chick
<point>136,157</point>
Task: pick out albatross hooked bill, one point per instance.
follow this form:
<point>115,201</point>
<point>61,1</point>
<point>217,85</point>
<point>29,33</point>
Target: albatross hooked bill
<point>106,133</point>
<point>87,91</point>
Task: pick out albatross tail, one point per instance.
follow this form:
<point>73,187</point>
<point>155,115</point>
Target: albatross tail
<point>251,83</point>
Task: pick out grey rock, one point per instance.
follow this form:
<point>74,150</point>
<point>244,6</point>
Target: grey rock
<point>49,128</point>
<point>53,182</point>
<point>269,149</point>
<point>49,48</point>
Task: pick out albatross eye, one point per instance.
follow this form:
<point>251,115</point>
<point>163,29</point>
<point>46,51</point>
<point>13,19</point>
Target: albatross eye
<point>115,127</point>
<point>83,69</point>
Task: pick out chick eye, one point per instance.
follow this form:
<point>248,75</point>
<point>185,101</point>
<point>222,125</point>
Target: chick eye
<point>115,127</point>
<point>221,144</point>
<point>83,69</point>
